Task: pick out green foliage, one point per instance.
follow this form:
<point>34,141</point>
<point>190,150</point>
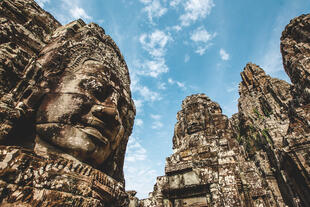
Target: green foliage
<point>266,112</point>
<point>239,139</point>
<point>266,135</point>
<point>256,112</point>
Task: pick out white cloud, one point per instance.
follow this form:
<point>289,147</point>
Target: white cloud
<point>194,10</point>
<point>142,93</point>
<point>78,12</point>
<point>157,124</point>
<point>274,64</point>
<point>186,58</point>
<point>145,1</point>
<point>135,151</point>
<point>153,68</point>
<point>69,10</point>
<point>224,55</point>
<point>145,174</point>
<point>179,84</point>
<point>170,81</point>
<point>153,8</point>
<point>161,86</point>
<point>271,59</point>
<point>42,2</point>
<point>139,122</point>
<point>155,43</point>
<point>139,105</point>
<point>136,165</point>
<point>201,49</point>
<point>177,28</point>
<point>146,93</point>
<point>155,116</point>
<point>175,3</point>
<point>201,37</point>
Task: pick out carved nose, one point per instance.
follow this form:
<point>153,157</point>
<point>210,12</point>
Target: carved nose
<point>104,110</point>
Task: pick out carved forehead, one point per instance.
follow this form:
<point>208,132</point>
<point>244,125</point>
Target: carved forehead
<point>88,45</point>
<point>198,103</point>
<point>112,71</point>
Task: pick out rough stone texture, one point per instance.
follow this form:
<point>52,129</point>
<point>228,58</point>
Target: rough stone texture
<point>260,156</point>
<point>66,114</point>
<point>207,168</point>
<point>30,180</point>
<point>21,20</point>
<point>65,111</point>
<point>295,48</point>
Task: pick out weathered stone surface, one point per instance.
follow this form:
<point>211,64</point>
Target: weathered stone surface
<point>66,114</point>
<point>207,168</point>
<point>65,96</point>
<point>30,180</point>
<point>260,156</point>
<point>24,27</point>
<point>295,48</point>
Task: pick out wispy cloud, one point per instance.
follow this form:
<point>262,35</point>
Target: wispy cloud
<point>271,59</point>
<point>69,10</point>
<point>42,2</point>
<point>157,124</point>
<point>78,12</point>
<point>179,84</point>
<point>142,94</point>
<point>202,35</point>
<point>146,93</point>
<point>152,68</point>
<point>155,42</point>
<point>202,39</point>
<point>155,116</point>
<point>161,86</point>
<point>153,8</point>
<point>139,122</point>
<point>224,55</point>
<point>136,165</point>
<point>139,105</point>
<point>135,151</point>
<point>155,45</point>
<point>146,174</point>
<point>175,3</point>
<point>195,10</point>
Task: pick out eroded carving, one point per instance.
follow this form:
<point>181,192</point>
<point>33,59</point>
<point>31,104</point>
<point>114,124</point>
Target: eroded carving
<point>71,107</point>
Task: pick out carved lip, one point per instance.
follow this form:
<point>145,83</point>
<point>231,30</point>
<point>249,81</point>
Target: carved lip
<point>97,128</point>
<point>92,131</point>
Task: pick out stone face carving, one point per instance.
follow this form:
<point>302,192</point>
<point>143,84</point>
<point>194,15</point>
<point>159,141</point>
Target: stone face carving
<point>208,168</point>
<point>295,49</point>
<point>86,113</point>
<point>70,105</point>
<point>259,157</point>
<point>66,114</point>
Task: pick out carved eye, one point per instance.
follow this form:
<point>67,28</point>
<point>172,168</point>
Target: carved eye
<point>102,93</point>
<point>96,88</point>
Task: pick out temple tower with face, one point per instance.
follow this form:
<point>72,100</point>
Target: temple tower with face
<point>208,167</point>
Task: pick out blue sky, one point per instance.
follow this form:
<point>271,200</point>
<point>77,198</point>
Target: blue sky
<point>177,48</point>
